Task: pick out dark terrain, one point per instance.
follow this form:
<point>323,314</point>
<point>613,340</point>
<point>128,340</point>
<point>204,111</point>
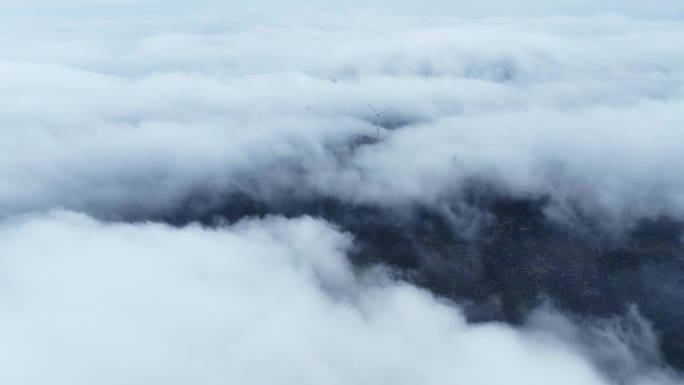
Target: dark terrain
<point>514,260</point>
<point>499,256</point>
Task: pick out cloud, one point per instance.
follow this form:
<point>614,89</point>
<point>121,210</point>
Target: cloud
<point>272,300</point>
<point>567,125</point>
<point>521,100</point>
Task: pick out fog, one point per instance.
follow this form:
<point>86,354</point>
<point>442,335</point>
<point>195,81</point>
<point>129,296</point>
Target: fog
<point>273,300</point>
<point>195,192</point>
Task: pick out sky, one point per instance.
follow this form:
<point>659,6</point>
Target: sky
<point>125,125</point>
<point>658,9</point>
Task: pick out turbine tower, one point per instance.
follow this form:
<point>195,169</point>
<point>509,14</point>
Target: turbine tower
<point>377,120</point>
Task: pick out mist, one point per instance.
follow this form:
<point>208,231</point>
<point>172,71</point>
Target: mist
<point>196,193</point>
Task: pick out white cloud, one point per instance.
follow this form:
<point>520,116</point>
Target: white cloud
<point>583,106</point>
<point>599,96</point>
<point>88,302</point>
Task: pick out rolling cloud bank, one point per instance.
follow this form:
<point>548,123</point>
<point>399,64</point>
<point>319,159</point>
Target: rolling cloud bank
<point>195,194</point>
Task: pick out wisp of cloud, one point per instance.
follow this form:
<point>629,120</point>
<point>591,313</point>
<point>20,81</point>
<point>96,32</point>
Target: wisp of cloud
<point>194,193</point>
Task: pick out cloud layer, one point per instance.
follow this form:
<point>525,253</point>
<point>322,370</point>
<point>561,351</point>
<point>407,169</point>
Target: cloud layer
<point>516,147</point>
<point>557,106</point>
<point>262,301</point>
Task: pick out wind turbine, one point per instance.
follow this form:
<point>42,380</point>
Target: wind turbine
<point>458,162</point>
<point>377,120</point>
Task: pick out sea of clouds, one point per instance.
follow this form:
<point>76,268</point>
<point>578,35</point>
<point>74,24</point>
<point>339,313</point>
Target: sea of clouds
<point>115,113</point>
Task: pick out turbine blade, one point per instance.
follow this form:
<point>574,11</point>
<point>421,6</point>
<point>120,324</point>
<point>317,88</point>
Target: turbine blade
<point>376,111</point>
<point>458,162</point>
<point>385,110</point>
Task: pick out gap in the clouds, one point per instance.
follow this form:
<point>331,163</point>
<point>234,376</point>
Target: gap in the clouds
<point>498,255</point>
<point>398,121</point>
